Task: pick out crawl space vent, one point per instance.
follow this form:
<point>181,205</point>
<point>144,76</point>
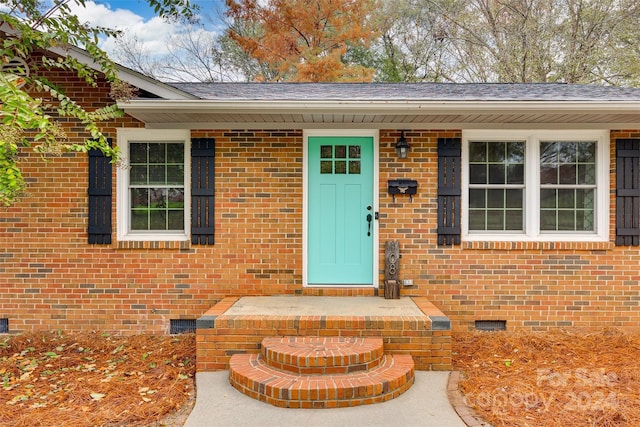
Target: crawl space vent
<point>182,326</point>
<point>4,326</point>
<point>491,325</point>
<point>16,66</point>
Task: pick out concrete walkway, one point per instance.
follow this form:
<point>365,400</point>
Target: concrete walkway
<point>425,404</point>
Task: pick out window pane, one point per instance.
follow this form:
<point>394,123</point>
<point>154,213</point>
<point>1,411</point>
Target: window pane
<point>139,198</point>
<point>138,153</point>
<point>139,219</point>
<point>515,174</point>
<point>176,220</point>
<point>157,220</point>
<point>495,198</point>
<point>587,174</point>
<point>326,166</point>
<point>175,153</point>
<point>515,152</point>
<point>547,199</point>
<point>566,221</point>
<point>584,220</point>
<point>175,174</point>
<point>156,174</point>
<point>341,167</point>
<point>478,174</point>
<point>514,198</point>
<point>157,198</point>
<point>496,152</point>
<point>585,199</point>
<point>547,220</point>
<point>157,153</point>
<point>138,175</point>
<point>497,174</point>
<point>567,174</point>
<point>175,198</point>
<point>326,152</point>
<point>354,167</point>
<point>548,174</point>
<point>477,219</point>
<point>495,220</point>
<point>341,151</point>
<point>354,151</point>
<point>478,152</point>
<point>514,220</point>
<point>566,199</point>
<point>477,198</point>
<point>587,152</point>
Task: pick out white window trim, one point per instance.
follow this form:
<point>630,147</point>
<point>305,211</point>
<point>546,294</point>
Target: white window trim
<point>532,184</point>
<point>122,183</point>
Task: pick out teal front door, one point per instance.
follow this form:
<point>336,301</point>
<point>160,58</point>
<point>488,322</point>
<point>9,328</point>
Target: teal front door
<point>340,211</point>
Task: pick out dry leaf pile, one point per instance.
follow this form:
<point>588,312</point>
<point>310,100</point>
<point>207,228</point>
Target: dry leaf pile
<point>92,379</point>
<point>557,378</point>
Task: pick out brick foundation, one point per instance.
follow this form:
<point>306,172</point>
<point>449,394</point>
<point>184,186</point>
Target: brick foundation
<point>426,338</point>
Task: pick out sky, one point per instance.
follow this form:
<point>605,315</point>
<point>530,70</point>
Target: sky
<point>137,18</point>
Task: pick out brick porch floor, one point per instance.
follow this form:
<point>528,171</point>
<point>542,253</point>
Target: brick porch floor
<point>410,325</point>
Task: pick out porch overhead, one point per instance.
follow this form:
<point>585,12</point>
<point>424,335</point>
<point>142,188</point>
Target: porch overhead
<point>381,105</point>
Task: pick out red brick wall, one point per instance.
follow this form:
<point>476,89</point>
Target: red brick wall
<point>51,278</point>
<point>531,285</point>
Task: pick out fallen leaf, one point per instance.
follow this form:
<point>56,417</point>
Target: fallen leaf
<point>97,396</point>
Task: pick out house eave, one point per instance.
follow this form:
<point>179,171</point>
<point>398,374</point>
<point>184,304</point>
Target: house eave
<point>242,113</point>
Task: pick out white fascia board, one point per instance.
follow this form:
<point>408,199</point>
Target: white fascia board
<point>128,75</point>
<point>392,106</point>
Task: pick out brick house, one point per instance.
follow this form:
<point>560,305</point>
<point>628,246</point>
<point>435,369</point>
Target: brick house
<point>525,208</point>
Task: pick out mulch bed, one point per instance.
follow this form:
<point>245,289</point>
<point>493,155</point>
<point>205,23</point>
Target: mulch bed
<point>557,378</point>
<point>93,379</point>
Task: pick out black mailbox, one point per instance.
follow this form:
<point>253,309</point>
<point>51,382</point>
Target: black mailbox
<point>403,186</point>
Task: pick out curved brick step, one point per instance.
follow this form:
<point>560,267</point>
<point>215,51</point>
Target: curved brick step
<point>322,355</point>
<point>250,374</point>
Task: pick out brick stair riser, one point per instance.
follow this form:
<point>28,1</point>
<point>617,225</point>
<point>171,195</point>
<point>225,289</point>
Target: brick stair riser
<point>257,378</point>
<point>290,355</point>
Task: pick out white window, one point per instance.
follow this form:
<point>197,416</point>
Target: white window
<point>535,185</point>
<point>153,185</point>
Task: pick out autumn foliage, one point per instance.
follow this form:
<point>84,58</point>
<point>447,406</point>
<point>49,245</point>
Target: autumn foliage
<point>305,40</point>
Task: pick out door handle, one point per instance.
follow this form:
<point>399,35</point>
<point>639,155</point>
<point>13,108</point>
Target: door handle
<point>369,218</point>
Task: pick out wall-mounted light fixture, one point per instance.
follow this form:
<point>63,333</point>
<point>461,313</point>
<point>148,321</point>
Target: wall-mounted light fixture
<point>402,147</point>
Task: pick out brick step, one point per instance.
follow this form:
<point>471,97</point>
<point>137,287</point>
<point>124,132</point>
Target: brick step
<point>322,355</point>
<point>250,374</point>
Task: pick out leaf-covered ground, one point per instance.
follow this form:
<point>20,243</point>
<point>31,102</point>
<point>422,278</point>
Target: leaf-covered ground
<point>558,378</point>
<point>91,379</point>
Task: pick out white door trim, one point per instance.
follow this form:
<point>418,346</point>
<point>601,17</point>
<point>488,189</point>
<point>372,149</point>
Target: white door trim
<point>306,133</point>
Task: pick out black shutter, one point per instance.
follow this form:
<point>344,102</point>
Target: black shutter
<point>449,190</point>
<point>202,190</point>
<point>100,170</point>
<point>628,192</point>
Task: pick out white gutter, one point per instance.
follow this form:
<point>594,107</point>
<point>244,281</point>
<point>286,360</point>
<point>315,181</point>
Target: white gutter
<point>379,106</point>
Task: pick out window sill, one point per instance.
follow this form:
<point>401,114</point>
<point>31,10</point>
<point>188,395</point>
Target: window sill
<point>153,244</point>
<point>538,245</point>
